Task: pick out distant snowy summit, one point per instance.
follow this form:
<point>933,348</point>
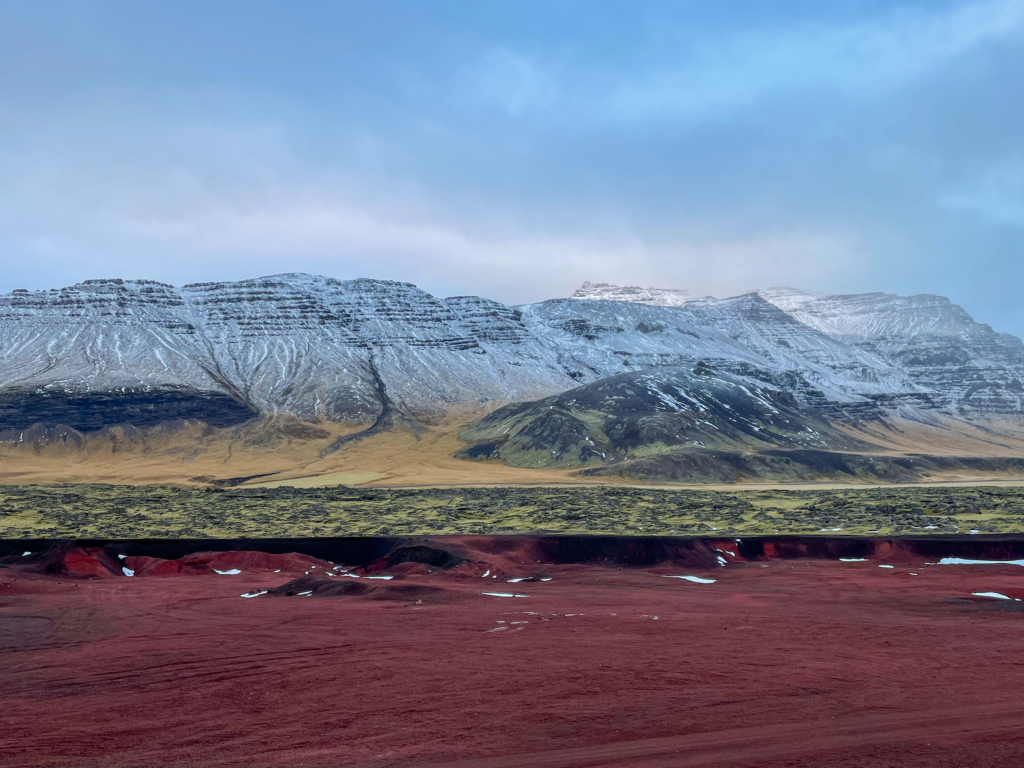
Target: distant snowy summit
<point>854,318</point>
<point>655,297</point>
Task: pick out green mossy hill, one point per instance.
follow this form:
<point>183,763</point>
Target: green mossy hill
<point>650,412</point>
<point>138,512</point>
<point>794,466</point>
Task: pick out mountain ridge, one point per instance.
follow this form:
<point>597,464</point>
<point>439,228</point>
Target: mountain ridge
<point>320,349</point>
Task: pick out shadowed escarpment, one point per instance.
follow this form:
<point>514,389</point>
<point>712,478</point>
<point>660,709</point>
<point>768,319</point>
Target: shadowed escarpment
<point>83,412</point>
<point>380,555</point>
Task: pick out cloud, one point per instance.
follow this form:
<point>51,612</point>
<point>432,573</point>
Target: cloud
<point>722,75</point>
<point>202,203</point>
<point>323,229</point>
<point>997,194</point>
<point>510,81</point>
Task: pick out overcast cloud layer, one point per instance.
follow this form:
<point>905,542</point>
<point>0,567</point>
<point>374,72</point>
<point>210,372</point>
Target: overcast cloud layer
<point>517,149</point>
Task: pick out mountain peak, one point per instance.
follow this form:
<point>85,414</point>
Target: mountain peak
<point>658,297</point>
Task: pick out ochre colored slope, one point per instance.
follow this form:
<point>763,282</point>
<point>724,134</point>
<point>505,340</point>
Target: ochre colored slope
<point>196,456</point>
<point>290,452</point>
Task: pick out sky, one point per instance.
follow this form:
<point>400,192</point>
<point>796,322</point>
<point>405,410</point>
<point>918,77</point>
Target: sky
<point>515,149</point>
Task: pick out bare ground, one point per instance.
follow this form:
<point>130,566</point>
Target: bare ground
<point>779,663</point>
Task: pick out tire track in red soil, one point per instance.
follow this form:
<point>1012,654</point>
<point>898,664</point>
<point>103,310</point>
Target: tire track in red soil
<point>768,742</point>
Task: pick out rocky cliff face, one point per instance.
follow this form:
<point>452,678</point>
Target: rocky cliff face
<point>969,366</point>
<point>330,349</point>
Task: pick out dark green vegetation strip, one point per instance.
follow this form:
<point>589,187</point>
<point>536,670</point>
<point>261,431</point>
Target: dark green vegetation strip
<point>112,511</point>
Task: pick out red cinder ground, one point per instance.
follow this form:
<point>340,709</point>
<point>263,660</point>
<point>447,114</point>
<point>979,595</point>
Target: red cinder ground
<point>807,663</point>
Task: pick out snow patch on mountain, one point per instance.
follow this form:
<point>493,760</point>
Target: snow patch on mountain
<point>661,297</point>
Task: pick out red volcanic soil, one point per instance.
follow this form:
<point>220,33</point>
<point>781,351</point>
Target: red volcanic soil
<point>800,662</point>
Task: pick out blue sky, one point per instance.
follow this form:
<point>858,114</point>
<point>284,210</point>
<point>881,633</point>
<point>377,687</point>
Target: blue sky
<point>515,149</point>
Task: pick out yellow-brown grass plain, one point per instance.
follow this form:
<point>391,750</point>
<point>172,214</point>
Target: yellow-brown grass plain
<point>282,452</point>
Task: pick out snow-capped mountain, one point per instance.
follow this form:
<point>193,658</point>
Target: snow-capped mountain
<point>342,350</point>
<point>746,335</point>
<point>660,297</point>
<point>311,346</point>
<point>940,346</point>
<point>943,355</point>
